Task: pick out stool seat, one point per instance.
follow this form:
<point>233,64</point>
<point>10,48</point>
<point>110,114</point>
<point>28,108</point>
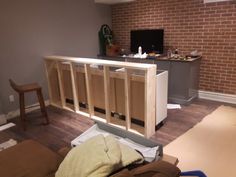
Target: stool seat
<point>21,89</point>
<point>28,87</point>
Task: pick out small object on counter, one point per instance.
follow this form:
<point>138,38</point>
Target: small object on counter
<point>140,50</point>
<point>112,50</point>
<point>195,53</point>
<point>140,56</point>
<point>169,53</point>
<point>182,58</point>
<point>176,51</point>
<point>188,57</point>
<point>153,55</point>
<point>175,56</point>
<point>123,52</point>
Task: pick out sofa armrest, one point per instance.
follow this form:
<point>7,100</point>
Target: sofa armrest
<point>170,159</point>
<point>156,168</point>
<point>63,151</point>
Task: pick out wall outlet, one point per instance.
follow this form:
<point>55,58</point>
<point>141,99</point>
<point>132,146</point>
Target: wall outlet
<point>11,98</point>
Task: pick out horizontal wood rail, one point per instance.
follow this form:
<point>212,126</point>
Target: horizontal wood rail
<point>79,73</point>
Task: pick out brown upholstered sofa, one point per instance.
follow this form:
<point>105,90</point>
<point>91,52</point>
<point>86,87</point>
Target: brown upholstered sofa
<point>31,159</point>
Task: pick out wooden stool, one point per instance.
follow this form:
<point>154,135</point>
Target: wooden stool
<point>21,89</point>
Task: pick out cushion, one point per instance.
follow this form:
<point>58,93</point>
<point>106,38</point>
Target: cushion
<point>98,156</point>
<point>28,159</point>
<point>92,158</point>
<point>129,156</point>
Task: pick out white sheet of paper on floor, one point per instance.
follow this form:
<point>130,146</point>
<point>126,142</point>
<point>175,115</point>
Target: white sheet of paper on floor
<point>148,152</point>
<point>6,126</point>
<point>7,144</point>
<point>93,131</point>
<point>173,106</point>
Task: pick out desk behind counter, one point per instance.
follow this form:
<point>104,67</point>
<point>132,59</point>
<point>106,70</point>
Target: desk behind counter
<point>183,75</point>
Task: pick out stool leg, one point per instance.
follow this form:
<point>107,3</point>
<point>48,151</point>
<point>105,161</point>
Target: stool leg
<point>22,110</point>
<point>42,105</point>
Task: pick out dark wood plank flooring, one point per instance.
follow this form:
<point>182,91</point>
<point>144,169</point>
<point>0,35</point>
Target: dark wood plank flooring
<point>66,125</point>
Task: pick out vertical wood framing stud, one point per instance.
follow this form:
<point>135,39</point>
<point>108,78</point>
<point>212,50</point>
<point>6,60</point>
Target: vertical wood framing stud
<point>74,86</point>
<point>88,80</point>
<point>61,86</point>
<point>150,103</point>
<point>107,93</point>
<point>127,99</point>
<point>48,67</point>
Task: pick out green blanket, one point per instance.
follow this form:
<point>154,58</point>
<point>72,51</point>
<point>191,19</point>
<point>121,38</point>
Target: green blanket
<point>97,157</point>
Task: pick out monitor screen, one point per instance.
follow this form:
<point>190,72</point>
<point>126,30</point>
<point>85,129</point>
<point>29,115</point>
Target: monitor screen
<point>149,40</point>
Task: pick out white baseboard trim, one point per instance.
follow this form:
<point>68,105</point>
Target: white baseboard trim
<point>221,97</point>
<point>30,108</point>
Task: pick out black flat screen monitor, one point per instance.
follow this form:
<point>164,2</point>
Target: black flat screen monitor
<point>149,40</point>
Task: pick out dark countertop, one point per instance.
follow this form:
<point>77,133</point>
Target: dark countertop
<point>159,58</point>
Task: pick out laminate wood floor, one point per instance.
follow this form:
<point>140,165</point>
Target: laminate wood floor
<point>65,125</point>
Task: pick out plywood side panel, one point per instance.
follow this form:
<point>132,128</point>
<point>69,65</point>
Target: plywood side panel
<point>53,82</point>
<point>112,95</point>
<point>98,91</point>
<point>137,100</point>
<point>120,96</point>
<point>53,77</point>
<point>82,93</point>
<point>67,82</point>
<point>136,96</point>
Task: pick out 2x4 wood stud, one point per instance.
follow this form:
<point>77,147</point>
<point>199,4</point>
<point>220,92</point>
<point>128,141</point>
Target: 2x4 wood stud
<point>150,102</point>
<point>107,92</point>
<point>74,86</point>
<point>61,85</point>
<point>88,80</point>
<point>127,99</point>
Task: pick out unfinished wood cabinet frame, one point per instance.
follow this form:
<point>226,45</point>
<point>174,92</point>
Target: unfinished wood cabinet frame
<point>149,83</point>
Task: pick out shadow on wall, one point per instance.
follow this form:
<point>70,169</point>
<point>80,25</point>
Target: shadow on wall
<point>33,29</point>
<point>1,111</point>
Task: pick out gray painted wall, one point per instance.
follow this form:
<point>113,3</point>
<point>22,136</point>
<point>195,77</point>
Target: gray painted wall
<point>31,29</point>
<point>1,112</point>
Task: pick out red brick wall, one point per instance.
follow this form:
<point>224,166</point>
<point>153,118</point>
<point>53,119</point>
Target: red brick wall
<point>188,24</point>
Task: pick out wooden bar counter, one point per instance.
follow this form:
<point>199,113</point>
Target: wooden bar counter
<point>115,88</point>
